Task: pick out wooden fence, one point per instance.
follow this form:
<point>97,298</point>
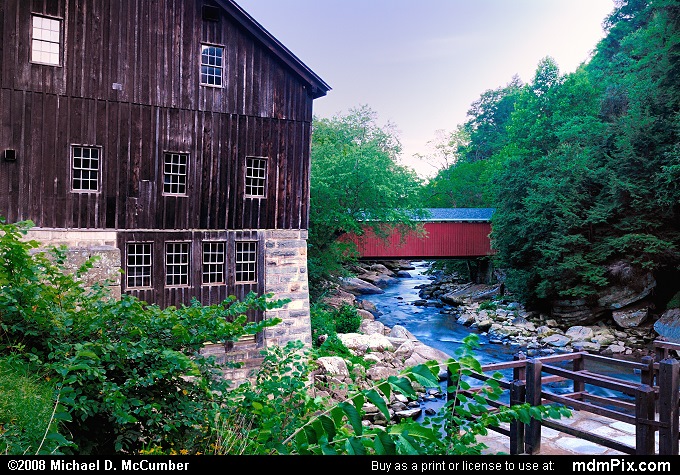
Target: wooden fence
<point>650,404</point>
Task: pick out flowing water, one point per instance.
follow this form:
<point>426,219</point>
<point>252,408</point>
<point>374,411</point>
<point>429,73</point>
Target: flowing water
<point>441,331</point>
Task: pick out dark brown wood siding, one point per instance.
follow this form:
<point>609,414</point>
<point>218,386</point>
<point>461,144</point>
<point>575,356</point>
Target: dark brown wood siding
<point>207,294</point>
<point>133,140</point>
<point>128,85</point>
<point>152,49</point>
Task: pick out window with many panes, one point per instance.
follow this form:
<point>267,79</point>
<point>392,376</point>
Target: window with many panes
<point>46,40</point>
<point>212,58</point>
<point>138,272</point>
<point>175,167</point>
<point>176,264</point>
<point>85,163</point>
<point>213,262</point>
<point>246,262</point>
<point>256,177</point>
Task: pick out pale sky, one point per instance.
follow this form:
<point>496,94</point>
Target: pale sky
<point>420,64</point>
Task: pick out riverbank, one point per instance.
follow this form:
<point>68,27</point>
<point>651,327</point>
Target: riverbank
<point>484,310</point>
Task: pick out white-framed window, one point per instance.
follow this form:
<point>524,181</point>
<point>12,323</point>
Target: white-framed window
<point>213,262</point>
<point>85,165</point>
<point>138,264</point>
<point>176,264</point>
<point>212,65</point>
<point>246,262</point>
<point>175,168</point>
<point>256,177</point>
<point>46,40</point>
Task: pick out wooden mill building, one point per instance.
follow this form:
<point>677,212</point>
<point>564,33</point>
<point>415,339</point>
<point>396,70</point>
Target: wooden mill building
<point>173,135</point>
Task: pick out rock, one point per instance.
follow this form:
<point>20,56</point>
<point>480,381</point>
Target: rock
<point>369,306</point>
<point>408,414</point>
<point>402,274</point>
<point>365,314</point>
<point>356,286</point>
<point>557,341</point>
<point>631,317</point>
<point>580,333</point>
<point>333,365</point>
<point>376,373</point>
<point>370,327</point>
<point>586,346</point>
<point>630,285</point>
<point>339,298</point>
<point>398,331</point>
<point>362,343</point>
<point>379,280</point>
<point>668,325</point>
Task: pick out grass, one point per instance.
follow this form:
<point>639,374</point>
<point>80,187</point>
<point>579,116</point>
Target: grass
<point>26,405</point>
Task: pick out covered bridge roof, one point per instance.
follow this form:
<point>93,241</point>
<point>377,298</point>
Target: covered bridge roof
<point>457,214</point>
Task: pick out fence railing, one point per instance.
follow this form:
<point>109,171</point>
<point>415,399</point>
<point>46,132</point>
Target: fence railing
<point>650,402</point>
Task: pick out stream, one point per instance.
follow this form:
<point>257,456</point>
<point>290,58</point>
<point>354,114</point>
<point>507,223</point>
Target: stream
<point>441,331</point>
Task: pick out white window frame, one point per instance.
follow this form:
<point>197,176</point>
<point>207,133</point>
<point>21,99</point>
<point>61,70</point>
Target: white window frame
<point>172,175</point>
<point>46,42</point>
<point>79,169</point>
<point>210,67</point>
<point>256,177</point>
<point>177,271</point>
<point>146,268</point>
<point>246,262</point>
<point>214,262</point>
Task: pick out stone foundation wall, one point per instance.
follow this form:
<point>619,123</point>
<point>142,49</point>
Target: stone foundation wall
<point>81,246</point>
<point>285,264</point>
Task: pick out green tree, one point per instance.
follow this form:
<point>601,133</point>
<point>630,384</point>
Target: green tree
<point>356,181</point>
<point>589,175</point>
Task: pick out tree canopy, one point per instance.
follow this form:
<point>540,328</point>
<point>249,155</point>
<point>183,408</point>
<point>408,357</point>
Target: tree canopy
<point>582,168</point>
<point>356,181</point>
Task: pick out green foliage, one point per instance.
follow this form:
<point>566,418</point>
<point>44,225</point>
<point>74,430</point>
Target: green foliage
<point>338,430</point>
<point>125,371</point>
<point>258,416</point>
<point>347,319</point>
<point>326,320</point>
<point>589,173</point>
<point>356,180</point>
<point>488,305</point>
<point>29,421</point>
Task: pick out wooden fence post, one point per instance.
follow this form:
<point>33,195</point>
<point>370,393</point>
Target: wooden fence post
<point>533,397</point>
<point>517,396</point>
<point>645,413</point>
<point>647,374</point>
<point>668,406</point>
<point>579,365</point>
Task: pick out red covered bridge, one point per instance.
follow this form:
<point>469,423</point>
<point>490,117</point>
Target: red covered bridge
<point>450,233</point>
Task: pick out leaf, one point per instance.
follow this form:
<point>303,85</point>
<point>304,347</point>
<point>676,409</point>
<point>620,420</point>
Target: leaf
<point>405,446</point>
<point>425,376</point>
<point>403,385</point>
<point>383,444</point>
<point>58,438</point>
<point>87,354</point>
<point>353,416</point>
<point>374,397</point>
<point>328,426</point>
<point>355,447</point>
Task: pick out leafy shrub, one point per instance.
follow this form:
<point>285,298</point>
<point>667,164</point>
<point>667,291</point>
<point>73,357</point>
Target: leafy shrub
<point>326,320</point>
<point>347,319</point>
<point>321,320</point>
<point>488,305</point>
<point>128,373</point>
